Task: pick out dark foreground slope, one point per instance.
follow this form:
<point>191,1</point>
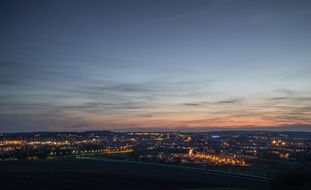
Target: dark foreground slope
<point>106,174</point>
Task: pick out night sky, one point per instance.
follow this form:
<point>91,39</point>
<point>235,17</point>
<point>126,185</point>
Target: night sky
<point>102,65</point>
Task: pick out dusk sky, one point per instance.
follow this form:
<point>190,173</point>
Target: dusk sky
<point>112,65</point>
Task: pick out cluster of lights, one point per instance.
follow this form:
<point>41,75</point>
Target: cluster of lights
<point>217,159</point>
<point>118,150</point>
<point>281,154</point>
<point>12,142</point>
<point>278,143</point>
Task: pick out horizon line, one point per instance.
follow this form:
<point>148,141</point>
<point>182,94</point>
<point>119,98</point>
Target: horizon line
<point>304,128</point>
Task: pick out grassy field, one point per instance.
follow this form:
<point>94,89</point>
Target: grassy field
<point>217,188</point>
<point>85,181</point>
<point>94,174</point>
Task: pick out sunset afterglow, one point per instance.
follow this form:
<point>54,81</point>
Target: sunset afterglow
<point>103,65</point>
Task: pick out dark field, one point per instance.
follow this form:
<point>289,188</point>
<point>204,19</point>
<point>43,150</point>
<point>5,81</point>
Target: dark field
<point>93,174</point>
<point>85,180</point>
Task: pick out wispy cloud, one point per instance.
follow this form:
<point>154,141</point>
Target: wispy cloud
<point>230,101</point>
<point>191,104</point>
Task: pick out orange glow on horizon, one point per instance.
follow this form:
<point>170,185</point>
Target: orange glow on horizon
<point>184,121</point>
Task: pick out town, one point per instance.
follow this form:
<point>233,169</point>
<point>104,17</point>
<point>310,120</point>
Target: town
<point>230,150</point>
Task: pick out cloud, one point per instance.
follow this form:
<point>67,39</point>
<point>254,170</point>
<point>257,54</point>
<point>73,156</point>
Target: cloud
<point>279,98</point>
<point>191,104</point>
<point>124,88</point>
<point>144,115</point>
<point>287,92</point>
<point>230,101</point>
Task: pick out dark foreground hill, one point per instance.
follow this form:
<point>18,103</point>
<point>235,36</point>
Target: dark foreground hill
<point>107,174</point>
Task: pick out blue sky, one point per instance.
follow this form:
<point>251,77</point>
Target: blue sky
<point>78,65</point>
